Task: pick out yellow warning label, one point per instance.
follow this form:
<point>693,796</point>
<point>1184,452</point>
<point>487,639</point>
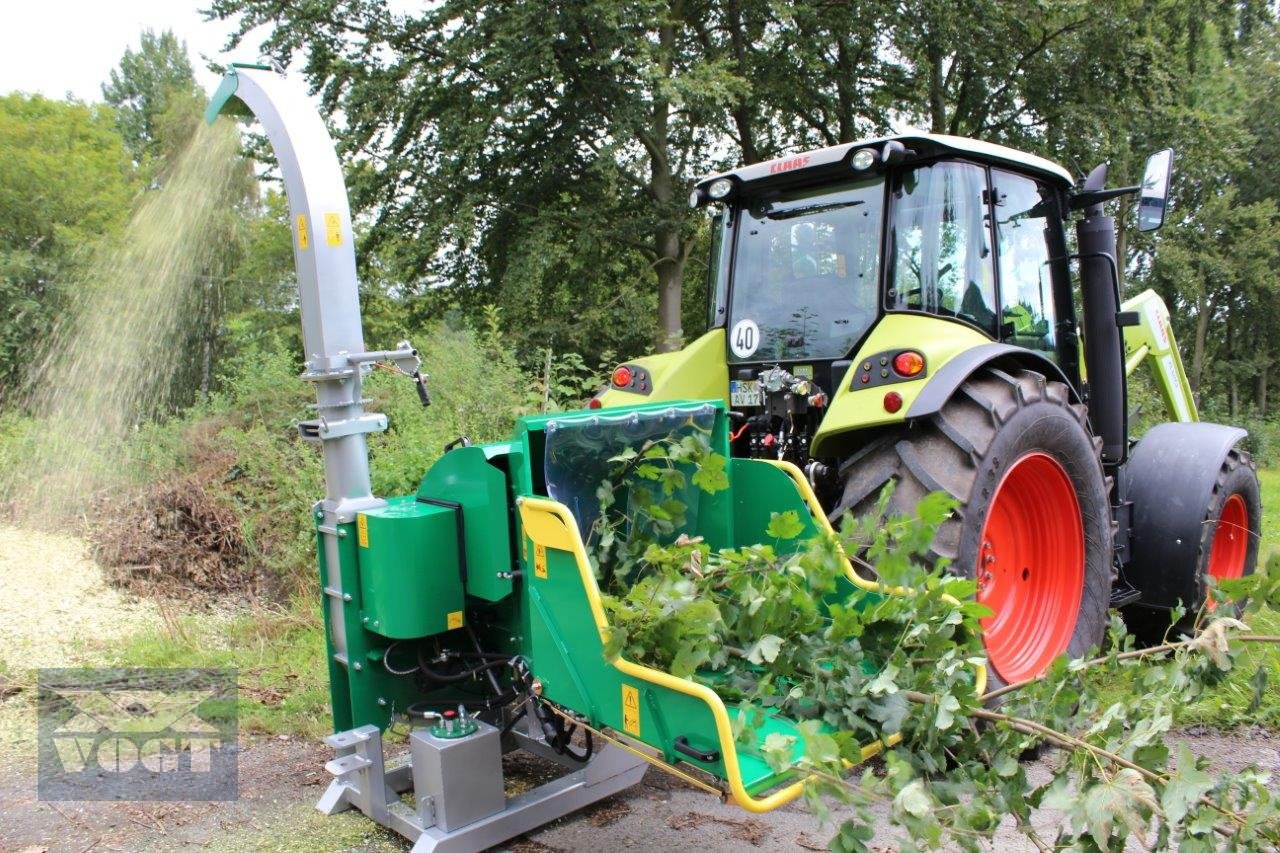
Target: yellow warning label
<point>630,710</point>
<point>362,529</point>
<point>303,240</point>
<point>540,561</point>
<point>455,619</point>
<point>333,229</point>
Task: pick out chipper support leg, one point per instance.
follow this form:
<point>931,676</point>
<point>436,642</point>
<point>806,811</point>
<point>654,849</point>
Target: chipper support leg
<point>457,788</point>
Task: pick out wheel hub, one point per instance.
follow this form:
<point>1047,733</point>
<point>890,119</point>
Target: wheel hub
<point>1030,568</point>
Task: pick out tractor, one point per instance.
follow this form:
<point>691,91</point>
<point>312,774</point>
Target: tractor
<point>905,310</point>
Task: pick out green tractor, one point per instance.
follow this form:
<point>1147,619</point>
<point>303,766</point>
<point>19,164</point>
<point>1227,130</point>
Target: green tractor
<point>904,310</point>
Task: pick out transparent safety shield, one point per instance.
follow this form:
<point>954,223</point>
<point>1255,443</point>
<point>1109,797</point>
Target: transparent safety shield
<point>580,449</point>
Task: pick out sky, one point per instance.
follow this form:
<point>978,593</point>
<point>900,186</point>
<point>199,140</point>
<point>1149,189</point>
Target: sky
<point>56,47</point>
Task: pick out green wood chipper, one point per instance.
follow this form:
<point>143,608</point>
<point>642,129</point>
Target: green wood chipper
<point>471,606</point>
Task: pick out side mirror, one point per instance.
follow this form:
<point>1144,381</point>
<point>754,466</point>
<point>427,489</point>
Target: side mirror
<point>1154,194</point>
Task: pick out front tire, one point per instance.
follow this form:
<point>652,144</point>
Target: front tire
<point>1034,521</point>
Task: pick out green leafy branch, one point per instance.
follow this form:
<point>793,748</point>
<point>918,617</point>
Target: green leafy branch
<point>773,626</point>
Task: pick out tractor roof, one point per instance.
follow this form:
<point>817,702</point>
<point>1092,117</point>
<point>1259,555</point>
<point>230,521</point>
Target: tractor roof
<point>792,166</point>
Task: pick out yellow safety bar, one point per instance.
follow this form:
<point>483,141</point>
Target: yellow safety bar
<point>550,524</point>
<point>824,524</point>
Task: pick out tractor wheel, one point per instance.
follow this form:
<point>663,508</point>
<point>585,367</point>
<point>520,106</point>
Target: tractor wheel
<point>1228,548</point>
<point>1034,521</point>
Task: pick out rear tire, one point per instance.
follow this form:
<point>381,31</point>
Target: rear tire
<point>1228,549</point>
<point>1015,452</point>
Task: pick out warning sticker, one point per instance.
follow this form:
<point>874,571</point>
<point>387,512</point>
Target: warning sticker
<point>630,710</point>
<point>455,619</point>
<point>333,229</point>
<point>362,530</point>
<point>540,561</point>
<point>303,240</point>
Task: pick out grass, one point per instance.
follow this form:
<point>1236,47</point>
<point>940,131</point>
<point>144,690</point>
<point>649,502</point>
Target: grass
<point>279,655</point>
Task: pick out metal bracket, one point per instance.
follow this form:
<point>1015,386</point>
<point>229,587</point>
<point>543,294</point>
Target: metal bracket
<point>362,781</point>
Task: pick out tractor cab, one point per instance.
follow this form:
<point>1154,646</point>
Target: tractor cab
<point>956,240</point>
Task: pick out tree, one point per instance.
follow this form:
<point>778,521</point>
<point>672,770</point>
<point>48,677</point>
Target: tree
<point>65,183</point>
<point>143,90</point>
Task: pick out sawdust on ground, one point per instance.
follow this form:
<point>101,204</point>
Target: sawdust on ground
<point>55,611</point>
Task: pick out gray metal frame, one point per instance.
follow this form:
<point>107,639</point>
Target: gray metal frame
<point>365,781</point>
<point>336,362</point>
<point>328,298</point>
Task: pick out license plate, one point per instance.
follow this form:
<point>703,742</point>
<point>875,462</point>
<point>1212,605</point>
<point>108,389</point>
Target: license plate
<point>745,392</point>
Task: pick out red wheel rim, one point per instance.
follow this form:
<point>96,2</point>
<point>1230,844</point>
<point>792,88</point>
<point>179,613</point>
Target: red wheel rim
<point>1230,542</point>
<point>1031,567</point>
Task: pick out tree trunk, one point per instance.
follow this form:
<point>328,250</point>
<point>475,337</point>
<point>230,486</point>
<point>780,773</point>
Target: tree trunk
<point>845,76</point>
<point>1260,394</point>
<point>206,337</point>
<point>742,118</point>
<point>669,264</point>
<point>1197,352</point>
<point>1233,399</point>
<point>670,269</point>
<point>937,88</point>
<point>1122,241</point>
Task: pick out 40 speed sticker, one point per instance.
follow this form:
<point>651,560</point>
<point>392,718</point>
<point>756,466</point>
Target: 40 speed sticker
<point>745,338</point>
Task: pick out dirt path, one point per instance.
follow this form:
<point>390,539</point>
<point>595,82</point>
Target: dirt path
<point>56,611</point>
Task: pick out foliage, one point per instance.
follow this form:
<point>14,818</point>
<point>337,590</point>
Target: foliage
<point>772,626</point>
<point>64,183</point>
<point>145,89</point>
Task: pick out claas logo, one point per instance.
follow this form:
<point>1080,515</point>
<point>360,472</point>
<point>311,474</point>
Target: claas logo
<point>788,165</point>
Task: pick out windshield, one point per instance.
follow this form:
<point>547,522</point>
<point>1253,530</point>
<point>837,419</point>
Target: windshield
<point>805,273</point>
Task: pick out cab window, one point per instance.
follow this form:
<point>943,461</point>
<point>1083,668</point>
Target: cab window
<point>941,244</point>
<point>1023,209</point>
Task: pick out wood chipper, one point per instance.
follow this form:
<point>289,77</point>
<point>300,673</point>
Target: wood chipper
<point>471,605</point>
<point>905,310</point>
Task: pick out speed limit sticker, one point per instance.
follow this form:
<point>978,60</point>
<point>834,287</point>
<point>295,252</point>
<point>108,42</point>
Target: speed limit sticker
<point>745,338</point>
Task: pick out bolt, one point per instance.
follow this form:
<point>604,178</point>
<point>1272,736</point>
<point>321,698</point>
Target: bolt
<point>346,596</point>
<point>382,702</point>
<point>358,666</point>
<point>989,559</point>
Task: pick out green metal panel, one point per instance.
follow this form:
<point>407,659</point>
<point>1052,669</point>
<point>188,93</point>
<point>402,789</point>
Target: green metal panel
<point>361,690</point>
<point>467,476</point>
<point>409,571</point>
<point>568,657</point>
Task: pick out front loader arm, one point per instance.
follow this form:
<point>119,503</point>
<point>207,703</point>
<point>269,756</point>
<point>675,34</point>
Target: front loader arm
<point>1152,340</point>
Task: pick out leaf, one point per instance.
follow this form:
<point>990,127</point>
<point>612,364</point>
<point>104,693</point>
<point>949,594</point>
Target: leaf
<point>711,476</point>
<point>1126,799</point>
<point>765,649</point>
<point>913,799</point>
<point>777,750</point>
<point>884,682</point>
<point>1185,788</point>
<point>947,706</point>
<point>784,525</point>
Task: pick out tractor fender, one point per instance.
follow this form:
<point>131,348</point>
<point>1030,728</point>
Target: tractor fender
<point>1170,477</point>
<point>953,374</point>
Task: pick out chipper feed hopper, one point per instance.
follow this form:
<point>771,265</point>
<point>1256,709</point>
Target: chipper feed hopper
<point>471,607</point>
